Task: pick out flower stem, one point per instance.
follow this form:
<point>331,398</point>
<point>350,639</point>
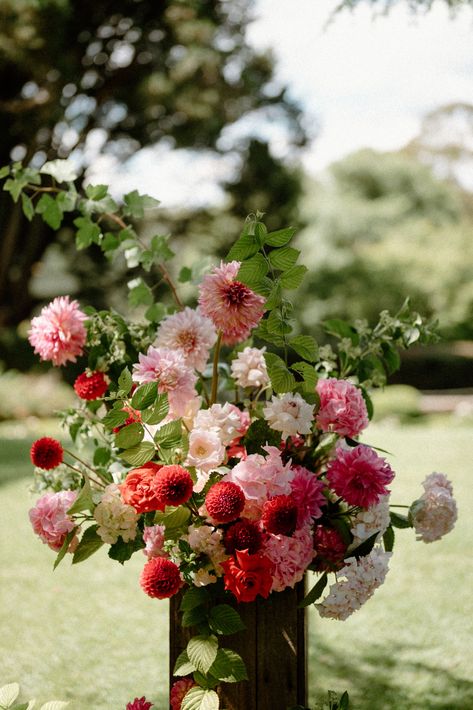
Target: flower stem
<point>77,470</point>
<point>218,344</point>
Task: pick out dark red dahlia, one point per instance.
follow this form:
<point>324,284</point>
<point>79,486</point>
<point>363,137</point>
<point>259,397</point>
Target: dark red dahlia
<point>280,515</point>
<point>173,485</point>
<point>46,453</point>
<point>225,501</point>
<point>244,535</point>
<point>91,385</point>
<point>160,578</point>
<point>139,704</point>
<point>330,548</point>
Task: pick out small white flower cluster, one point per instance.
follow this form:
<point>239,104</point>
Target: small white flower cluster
<point>362,578</point>
<point>435,513</point>
<point>290,414</point>
<point>249,368</point>
<point>370,520</point>
<point>115,518</point>
<point>209,541</point>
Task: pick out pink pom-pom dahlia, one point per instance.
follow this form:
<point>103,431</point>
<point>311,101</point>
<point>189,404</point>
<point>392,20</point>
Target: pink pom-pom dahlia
<point>359,476</point>
<point>58,333</point>
<point>307,492</point>
<point>232,306</point>
<point>342,407</point>
<point>178,692</point>
<point>50,520</point>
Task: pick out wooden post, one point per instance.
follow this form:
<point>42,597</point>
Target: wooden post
<point>273,647</point>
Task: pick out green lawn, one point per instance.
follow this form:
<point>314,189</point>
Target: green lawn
<point>90,635</point>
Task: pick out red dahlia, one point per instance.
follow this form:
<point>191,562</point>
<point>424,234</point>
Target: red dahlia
<point>330,549</point>
<point>46,453</point>
<point>244,535</point>
<point>160,578</point>
<point>91,385</point>
<point>280,515</point>
<point>224,502</point>
<point>135,416</point>
<point>173,485</point>
<point>139,704</point>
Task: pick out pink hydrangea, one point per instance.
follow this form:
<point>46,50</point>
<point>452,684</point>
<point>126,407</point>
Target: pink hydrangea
<point>359,475</point>
<point>191,333</point>
<point>342,407</point>
<point>307,491</point>
<point>58,333</point>
<point>153,537</point>
<point>50,520</point>
<point>435,513</point>
<point>262,477</point>
<point>290,557</point>
<point>178,692</point>
<point>232,306</point>
<point>168,368</point>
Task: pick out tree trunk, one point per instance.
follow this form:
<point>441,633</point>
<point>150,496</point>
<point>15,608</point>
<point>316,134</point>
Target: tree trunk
<point>273,647</point>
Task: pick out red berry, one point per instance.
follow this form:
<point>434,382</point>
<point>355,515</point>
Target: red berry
<point>160,578</point>
<point>91,385</point>
<point>46,453</point>
<point>280,515</point>
<point>244,535</point>
<point>173,485</point>
<point>224,502</point>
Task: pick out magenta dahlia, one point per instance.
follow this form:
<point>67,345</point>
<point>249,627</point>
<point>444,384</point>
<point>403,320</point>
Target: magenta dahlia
<point>359,476</point>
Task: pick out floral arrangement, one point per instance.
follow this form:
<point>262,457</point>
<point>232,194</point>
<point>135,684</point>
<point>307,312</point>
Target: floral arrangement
<point>219,445</point>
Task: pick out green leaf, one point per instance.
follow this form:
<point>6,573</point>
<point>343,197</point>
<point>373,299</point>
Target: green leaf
<point>64,547</point>
<point>115,418</point>
<point>192,597</point>
<point>281,379</point>
<point>129,436</point>
<point>253,270</point>
<point>158,412</point>
<point>225,620</point>
<point>183,666</point>
<point>144,396</point>
<point>202,651</point>
<point>283,258</point>
<point>89,543</point>
<point>342,329</point>
<point>88,232</point>
<point>344,703</point>
<point>84,500</point>
<point>388,539</point>
<point>194,617</point>
<point>305,346</point>
<point>229,667</point>
<point>136,204</point>
<point>185,275</point>
<point>139,293</point>
<point>50,211</point>
<point>4,171</point>
<point>125,381</point>
<point>28,207</point>
<point>263,333</point>
<point>160,248</point>
<point>67,200</point>
<point>244,248</point>
<point>139,455</point>
<point>364,548</point>
<point>280,237</point>
<point>122,551</point>
<point>173,518</point>
<point>391,358</point>
<point>399,521</point>
<point>169,436</point>
<point>315,593</point>
<point>276,323</point>
<point>308,373</point>
<point>20,706</point>
<point>102,456</point>
<point>198,698</point>
<point>293,277</point>
<point>9,693</point>
<point>96,192</point>
<point>155,312</point>
<point>260,434</point>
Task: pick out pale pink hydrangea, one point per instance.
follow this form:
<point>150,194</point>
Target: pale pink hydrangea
<point>115,518</point>
<point>356,583</point>
<point>290,414</point>
<point>191,333</point>
<point>435,513</point>
<point>249,368</point>
<point>153,537</point>
<point>232,306</point>
<point>307,491</point>
<point>223,419</point>
<point>342,407</point>
<point>262,477</point>
<point>50,520</point>
<point>206,453</point>
<point>370,520</point>
<point>208,540</point>
<point>168,368</point>
<point>58,333</point>
<point>290,557</point>
<point>359,475</point>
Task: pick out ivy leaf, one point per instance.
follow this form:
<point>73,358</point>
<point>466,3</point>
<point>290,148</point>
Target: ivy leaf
<point>293,277</point>
<point>198,698</point>
<point>202,652</point>
<point>160,248</point>
<point>48,208</point>
<point>281,379</point>
<point>225,620</point>
<point>183,666</point>
<point>89,543</point>
<point>229,666</point>
<point>388,539</point>
<point>185,275</point>
<point>315,592</point>
<point>155,312</point>
<point>88,232</point>
<point>253,270</point>
<point>140,293</point>
<point>280,237</point>
<point>305,346</point>
<point>158,412</point>
<point>136,204</point>
<point>102,456</point>
<point>144,396</point>
<point>129,436</point>
<point>28,207</point>
<point>96,192</point>
<point>283,258</point>
<point>122,551</point>
<point>139,455</point>
<point>60,170</point>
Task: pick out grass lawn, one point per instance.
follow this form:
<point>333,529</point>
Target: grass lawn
<point>88,634</point>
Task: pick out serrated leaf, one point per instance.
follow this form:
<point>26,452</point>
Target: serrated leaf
<point>125,381</point>
<point>198,698</point>
<point>84,500</point>
<point>115,418</point>
<point>225,620</point>
<point>194,617</point>
<point>281,379</point>
<point>129,436</point>
<point>202,651</point>
<point>173,518</point>
<point>64,547</point>
<point>9,693</point>
<point>144,396</point>
<point>169,436</point>
<point>283,258</point>
<point>88,232</point>
<point>139,455</point>
<point>308,373</point>
<point>194,596</point>
<point>388,538</point>
<point>229,667</point>
<point>50,211</point>
<point>60,170</point>
<point>158,412</point>
<point>136,204</point>
<point>276,323</point>
<point>28,207</point>
<point>96,192</point>
<point>121,551</point>
<point>244,248</point>
<point>305,346</point>
<point>258,435</point>
<point>280,237</point>
<point>139,293</point>
<point>183,666</point>
<point>253,270</point>
<point>315,592</point>
<point>89,543</point>
<point>293,277</point>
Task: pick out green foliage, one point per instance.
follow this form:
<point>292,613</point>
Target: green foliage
<point>89,543</point>
<point>316,591</point>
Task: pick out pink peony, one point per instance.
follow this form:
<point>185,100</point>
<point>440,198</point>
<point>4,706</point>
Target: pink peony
<point>178,692</point>
<point>232,306</point>
<point>342,407</point>
<point>290,557</point>
<point>261,478</point>
<point>167,368</point>
<point>191,333</point>
<point>153,537</point>
<point>50,520</point>
<point>359,475</point>
<point>58,333</point>
<point>307,492</point>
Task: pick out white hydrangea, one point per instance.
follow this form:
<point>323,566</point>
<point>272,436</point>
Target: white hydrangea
<point>435,513</point>
<point>209,541</point>
<point>356,583</point>
<point>115,518</point>
<point>290,414</point>
<point>223,419</point>
<point>370,520</point>
<point>249,368</point>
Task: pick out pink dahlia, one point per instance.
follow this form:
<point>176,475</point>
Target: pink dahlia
<point>232,306</point>
<point>58,333</point>
<point>139,704</point>
<point>307,491</point>
<point>290,557</point>
<point>168,368</point>
<point>50,520</point>
<point>342,407</point>
<point>359,476</point>
<point>191,333</point>
<point>178,692</point>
